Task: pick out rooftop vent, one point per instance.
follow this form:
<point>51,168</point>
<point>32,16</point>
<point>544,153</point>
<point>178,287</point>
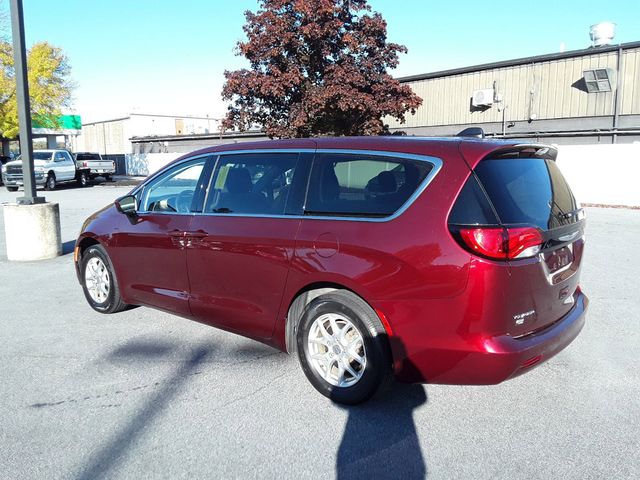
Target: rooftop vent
<point>602,34</point>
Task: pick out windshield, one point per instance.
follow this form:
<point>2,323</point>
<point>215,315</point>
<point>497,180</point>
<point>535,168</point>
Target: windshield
<point>38,156</point>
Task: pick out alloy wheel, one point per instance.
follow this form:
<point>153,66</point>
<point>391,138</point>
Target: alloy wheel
<point>96,278</point>
<point>336,350</point>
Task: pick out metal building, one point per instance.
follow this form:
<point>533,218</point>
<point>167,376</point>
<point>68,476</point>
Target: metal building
<point>112,137</point>
<point>582,96</point>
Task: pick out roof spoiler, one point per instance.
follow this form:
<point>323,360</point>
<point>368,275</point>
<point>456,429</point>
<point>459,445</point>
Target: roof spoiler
<point>476,132</point>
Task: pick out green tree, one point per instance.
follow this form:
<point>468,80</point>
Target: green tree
<point>50,87</point>
<point>318,67</point>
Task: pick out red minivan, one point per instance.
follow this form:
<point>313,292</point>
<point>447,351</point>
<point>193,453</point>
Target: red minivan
<point>432,260</point>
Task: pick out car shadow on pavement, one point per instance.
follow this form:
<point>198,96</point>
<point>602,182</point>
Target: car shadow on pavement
<point>111,454</point>
<point>380,438</point>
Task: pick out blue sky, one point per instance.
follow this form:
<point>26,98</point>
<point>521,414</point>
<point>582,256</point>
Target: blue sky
<point>161,56</point>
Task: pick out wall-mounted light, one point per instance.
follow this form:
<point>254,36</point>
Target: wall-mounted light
<point>599,80</point>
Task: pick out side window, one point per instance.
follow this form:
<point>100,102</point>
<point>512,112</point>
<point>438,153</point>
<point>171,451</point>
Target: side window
<point>362,185</point>
<point>174,191</point>
<point>59,157</point>
<point>252,183</point>
<point>472,206</point>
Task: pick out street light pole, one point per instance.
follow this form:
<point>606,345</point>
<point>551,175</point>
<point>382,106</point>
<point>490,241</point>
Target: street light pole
<point>24,105</point>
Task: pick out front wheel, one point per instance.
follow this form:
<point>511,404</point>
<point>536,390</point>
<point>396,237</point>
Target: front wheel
<point>99,282</point>
<point>343,349</point>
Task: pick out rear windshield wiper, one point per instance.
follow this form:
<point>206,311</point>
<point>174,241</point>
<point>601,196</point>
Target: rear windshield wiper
<point>573,213</point>
<point>559,216</point>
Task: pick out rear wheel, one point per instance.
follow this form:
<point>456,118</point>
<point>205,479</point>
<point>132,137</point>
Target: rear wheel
<point>12,189</point>
<point>99,282</point>
<point>107,177</point>
<point>83,179</point>
<point>343,349</point>
<point>51,182</point>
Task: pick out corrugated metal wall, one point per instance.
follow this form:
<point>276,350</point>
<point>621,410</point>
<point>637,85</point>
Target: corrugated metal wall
<point>104,137</point>
<point>546,90</point>
<point>631,81</point>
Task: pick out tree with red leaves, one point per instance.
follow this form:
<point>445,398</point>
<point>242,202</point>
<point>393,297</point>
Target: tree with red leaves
<point>318,67</point>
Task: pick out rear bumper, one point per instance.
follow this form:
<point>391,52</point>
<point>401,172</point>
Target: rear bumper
<point>99,172</point>
<point>491,360</point>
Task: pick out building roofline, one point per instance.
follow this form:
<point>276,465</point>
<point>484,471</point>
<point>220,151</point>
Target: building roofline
<point>150,115</point>
<point>198,136</point>
<point>171,116</point>
<point>106,121</point>
<point>520,61</point>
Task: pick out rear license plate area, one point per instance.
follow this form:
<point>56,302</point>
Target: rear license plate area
<point>558,259</point>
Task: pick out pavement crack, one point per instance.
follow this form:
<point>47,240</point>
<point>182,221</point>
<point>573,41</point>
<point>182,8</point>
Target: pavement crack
<point>250,394</point>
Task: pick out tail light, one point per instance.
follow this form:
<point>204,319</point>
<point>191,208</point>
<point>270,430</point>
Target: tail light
<point>85,164</point>
<point>113,164</point>
<point>502,243</point>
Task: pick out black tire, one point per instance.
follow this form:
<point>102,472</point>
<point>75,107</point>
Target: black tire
<point>83,179</point>
<point>377,372</point>
<point>113,302</point>
<point>51,182</point>
<point>12,189</point>
<point>107,177</point>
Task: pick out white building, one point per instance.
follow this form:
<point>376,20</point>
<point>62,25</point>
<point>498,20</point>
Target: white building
<point>112,137</point>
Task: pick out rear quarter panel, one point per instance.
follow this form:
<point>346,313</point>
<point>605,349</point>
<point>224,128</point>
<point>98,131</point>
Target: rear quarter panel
<point>411,257</point>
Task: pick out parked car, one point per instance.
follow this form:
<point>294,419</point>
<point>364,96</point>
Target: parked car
<point>435,260</point>
<point>51,167</point>
<point>3,160</point>
<point>95,166</point>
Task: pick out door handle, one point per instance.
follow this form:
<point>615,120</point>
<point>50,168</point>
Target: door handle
<point>178,237</point>
<point>197,234</point>
<point>195,238</point>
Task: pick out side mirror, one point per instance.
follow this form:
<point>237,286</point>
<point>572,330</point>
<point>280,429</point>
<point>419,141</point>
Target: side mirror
<point>127,205</point>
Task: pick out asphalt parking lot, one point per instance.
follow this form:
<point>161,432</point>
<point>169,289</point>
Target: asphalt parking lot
<point>144,394</point>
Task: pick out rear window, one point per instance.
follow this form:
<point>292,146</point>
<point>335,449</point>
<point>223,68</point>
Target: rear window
<point>88,156</point>
<point>528,191</point>
<point>362,185</point>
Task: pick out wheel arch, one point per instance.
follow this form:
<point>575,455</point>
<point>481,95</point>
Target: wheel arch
<point>302,298</point>
<point>85,242</point>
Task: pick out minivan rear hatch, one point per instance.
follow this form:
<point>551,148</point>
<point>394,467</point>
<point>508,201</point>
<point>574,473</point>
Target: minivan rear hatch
<point>517,209</point>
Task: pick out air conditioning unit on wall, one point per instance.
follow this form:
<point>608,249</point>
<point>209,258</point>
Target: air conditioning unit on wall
<point>482,98</point>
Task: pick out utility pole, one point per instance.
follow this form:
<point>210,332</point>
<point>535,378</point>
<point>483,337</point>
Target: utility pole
<point>24,106</point>
<point>31,226</point>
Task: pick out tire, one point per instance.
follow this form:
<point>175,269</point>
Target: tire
<point>107,177</point>
<point>12,189</point>
<point>51,182</point>
<point>99,283</point>
<point>83,179</point>
<point>325,355</point>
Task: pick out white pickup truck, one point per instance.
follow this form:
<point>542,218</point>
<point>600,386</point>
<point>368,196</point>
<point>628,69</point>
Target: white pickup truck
<point>50,168</point>
<point>95,165</point>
